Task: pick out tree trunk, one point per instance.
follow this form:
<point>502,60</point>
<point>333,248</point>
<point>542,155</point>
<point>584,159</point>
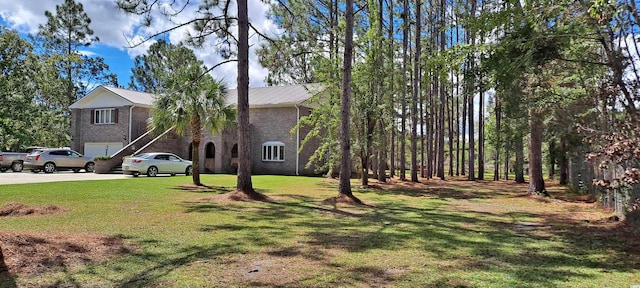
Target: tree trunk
<point>536,181</point>
<point>345,103</point>
<point>244,183</point>
<point>443,95</point>
<point>416,92</point>
<point>552,158</point>
<point>382,174</point>
<point>364,170</point>
<point>392,109</point>
<point>564,162</point>
<point>481,132</point>
<point>374,165</point>
<point>464,133</point>
<point>519,165</point>
<point>403,102</point>
<point>506,164</point>
<point>496,168</point>
<point>196,135</point>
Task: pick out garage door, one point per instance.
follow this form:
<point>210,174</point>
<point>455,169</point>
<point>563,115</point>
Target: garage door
<point>101,149</point>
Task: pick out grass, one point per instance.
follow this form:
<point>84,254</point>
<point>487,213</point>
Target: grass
<point>441,234</point>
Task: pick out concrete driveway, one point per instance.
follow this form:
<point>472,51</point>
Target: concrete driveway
<point>28,177</point>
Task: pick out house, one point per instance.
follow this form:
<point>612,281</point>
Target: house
<point>113,122</point>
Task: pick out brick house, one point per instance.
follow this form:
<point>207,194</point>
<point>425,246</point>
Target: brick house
<point>113,122</point>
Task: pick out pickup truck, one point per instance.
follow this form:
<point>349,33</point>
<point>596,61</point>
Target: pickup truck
<point>11,160</point>
<point>14,160</point>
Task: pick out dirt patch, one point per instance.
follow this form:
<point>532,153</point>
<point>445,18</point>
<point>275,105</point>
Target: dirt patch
<point>342,199</point>
<point>29,254</point>
<point>236,196</point>
<point>19,209</point>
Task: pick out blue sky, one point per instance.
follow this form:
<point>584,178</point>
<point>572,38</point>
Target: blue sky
<point>117,29</point>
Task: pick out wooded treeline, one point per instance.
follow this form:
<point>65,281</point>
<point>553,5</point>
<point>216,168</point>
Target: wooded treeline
<point>447,87</point>
<point>42,74</point>
<point>438,88</point>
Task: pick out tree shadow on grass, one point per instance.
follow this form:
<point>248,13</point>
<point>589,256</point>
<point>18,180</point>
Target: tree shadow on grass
<point>490,238</point>
<point>161,264</point>
<point>492,242</point>
<point>203,189</point>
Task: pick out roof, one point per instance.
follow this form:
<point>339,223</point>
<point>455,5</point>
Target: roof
<point>134,97</point>
<point>106,96</point>
<point>277,96</point>
<point>274,96</point>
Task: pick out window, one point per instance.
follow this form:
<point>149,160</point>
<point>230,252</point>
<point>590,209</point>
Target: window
<point>273,151</point>
<point>104,116</point>
<point>210,151</point>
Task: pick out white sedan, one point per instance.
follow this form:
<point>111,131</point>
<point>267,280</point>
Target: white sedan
<point>156,163</point>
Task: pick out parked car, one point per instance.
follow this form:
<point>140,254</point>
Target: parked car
<point>51,160</point>
<point>14,160</point>
<point>156,163</point>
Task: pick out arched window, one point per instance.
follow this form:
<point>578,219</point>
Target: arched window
<point>273,151</point>
<point>234,151</point>
<point>210,150</point>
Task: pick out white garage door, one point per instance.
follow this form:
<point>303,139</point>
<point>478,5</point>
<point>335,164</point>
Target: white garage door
<point>93,149</point>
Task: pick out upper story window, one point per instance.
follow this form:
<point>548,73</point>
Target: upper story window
<point>273,151</point>
<point>104,116</point>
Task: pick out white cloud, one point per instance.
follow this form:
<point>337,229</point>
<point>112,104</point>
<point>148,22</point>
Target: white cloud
<point>120,30</point>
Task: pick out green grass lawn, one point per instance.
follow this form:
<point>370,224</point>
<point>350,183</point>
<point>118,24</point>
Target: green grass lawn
<point>446,234</point>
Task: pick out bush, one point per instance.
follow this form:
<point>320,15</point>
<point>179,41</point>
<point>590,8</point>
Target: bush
<point>101,158</point>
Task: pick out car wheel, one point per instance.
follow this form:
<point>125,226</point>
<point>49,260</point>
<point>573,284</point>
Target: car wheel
<point>173,174</point>
<point>189,171</point>
<point>152,171</point>
<point>89,167</point>
<point>16,167</point>
<point>35,170</point>
<point>76,170</point>
<point>3,170</point>
<point>49,167</point>
<point>135,174</point>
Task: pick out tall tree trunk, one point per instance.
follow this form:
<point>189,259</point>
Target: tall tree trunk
<point>470,91</point>
<point>416,91</point>
<point>457,105</point>
<point>564,162</point>
<point>443,96</point>
<point>552,158</point>
<point>345,105</point>
<point>382,174</point>
<point>364,170</point>
<point>403,102</point>
<point>392,109</point>
<point>196,135</point>
<point>519,165</point>
<point>496,168</point>
<point>450,127</point>
<point>481,132</point>
<point>244,129</point>
<point>465,101</point>
<point>506,164</point>
<point>536,181</point>
<point>472,147</point>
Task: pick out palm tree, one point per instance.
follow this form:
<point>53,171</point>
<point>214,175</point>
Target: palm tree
<point>192,102</point>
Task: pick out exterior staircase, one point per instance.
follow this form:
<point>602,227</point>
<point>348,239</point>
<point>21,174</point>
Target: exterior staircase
<point>114,164</point>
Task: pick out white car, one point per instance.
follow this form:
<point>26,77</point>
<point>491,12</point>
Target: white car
<point>156,163</point>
